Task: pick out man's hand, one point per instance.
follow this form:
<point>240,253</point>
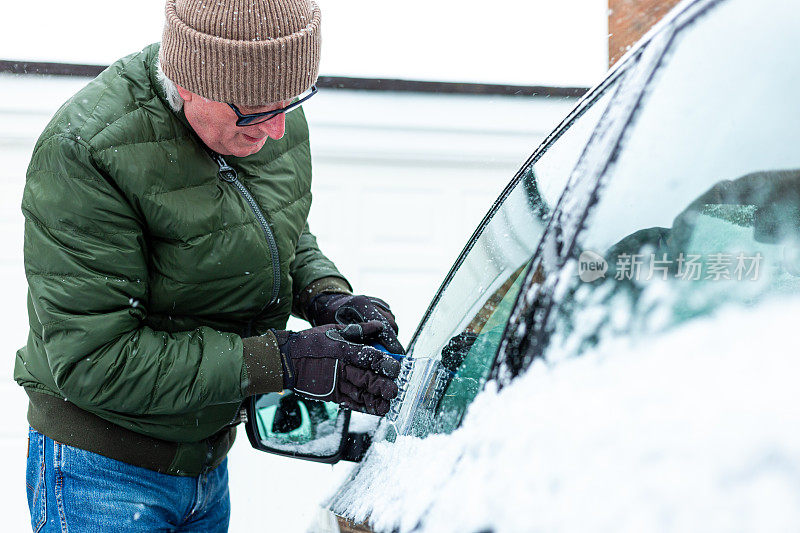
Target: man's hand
<point>332,363</point>
<point>340,308</point>
<point>454,353</point>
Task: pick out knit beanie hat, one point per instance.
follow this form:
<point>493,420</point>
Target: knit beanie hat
<point>247,52</point>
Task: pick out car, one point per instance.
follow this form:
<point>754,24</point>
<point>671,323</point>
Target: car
<point>660,223</point>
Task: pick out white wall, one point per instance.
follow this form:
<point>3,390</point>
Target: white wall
<point>535,42</point>
<point>417,173</point>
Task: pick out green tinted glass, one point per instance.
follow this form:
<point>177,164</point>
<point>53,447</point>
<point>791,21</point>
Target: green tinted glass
<point>478,300</point>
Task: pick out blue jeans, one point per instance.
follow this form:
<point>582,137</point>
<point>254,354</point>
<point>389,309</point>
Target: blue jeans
<point>70,489</point>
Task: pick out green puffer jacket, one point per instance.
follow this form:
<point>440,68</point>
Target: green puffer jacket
<point>146,269</point>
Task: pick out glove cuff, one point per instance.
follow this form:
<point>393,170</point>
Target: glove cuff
<point>282,341</point>
<point>262,369</point>
<point>325,285</point>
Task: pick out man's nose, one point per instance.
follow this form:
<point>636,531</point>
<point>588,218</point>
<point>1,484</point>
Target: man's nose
<point>273,128</point>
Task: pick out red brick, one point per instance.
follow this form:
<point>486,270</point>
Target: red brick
<point>629,20</point>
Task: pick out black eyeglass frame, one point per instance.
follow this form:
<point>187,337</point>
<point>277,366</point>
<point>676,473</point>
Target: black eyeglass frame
<point>248,119</point>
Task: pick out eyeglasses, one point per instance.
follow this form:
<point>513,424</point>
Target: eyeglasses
<point>248,119</point>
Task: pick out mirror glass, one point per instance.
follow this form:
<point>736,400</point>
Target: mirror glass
<point>289,423</point>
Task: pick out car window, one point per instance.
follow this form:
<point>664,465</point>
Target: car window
<point>479,297</point>
<point>702,206</point>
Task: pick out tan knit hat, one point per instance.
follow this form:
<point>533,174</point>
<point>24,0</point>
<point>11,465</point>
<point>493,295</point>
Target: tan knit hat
<point>248,52</point>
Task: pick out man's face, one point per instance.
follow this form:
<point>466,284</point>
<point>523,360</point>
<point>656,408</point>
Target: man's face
<point>215,123</point>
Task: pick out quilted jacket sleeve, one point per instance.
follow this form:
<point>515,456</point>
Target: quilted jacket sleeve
<point>86,264</point>
<point>312,272</point>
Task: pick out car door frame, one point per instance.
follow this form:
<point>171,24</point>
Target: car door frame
<point>526,334</point>
<point>587,101</point>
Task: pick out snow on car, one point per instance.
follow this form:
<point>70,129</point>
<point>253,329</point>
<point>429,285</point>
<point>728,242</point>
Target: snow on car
<point>693,430</point>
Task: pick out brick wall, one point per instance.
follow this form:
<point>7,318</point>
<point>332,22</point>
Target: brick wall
<point>629,20</point>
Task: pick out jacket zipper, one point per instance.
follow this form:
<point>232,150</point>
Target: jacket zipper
<point>228,174</point>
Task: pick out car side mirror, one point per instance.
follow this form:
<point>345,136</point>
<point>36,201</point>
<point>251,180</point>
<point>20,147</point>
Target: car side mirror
<point>287,424</point>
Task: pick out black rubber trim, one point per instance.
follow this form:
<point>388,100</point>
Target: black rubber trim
<point>538,318</point>
<point>251,427</point>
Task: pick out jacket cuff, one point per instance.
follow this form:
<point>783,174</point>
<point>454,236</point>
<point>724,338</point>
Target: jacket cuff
<point>262,365</point>
<point>328,284</point>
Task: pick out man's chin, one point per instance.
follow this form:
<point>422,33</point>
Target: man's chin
<point>244,151</point>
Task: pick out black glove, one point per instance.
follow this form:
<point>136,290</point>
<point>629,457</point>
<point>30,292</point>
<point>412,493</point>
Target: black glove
<point>331,363</point>
<point>340,308</point>
<point>456,350</point>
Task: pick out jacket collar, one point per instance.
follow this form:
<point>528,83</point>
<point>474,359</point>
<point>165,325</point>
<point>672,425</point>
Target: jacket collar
<point>152,72</point>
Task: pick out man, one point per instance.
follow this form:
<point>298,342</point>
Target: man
<point>166,244</point>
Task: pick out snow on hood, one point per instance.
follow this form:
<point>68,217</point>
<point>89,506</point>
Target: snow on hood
<point>695,430</point>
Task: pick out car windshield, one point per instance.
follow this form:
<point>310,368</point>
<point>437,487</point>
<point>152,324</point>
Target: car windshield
<point>701,208</point>
<point>470,314</point>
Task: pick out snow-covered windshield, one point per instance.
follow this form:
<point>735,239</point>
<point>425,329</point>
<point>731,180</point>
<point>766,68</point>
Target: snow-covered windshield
<point>702,207</point>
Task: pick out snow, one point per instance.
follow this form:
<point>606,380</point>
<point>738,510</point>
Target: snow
<point>697,429</point>
<point>325,443</point>
<point>362,422</point>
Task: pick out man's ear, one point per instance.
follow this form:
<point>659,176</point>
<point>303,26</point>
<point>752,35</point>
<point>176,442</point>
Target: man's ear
<point>186,95</point>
